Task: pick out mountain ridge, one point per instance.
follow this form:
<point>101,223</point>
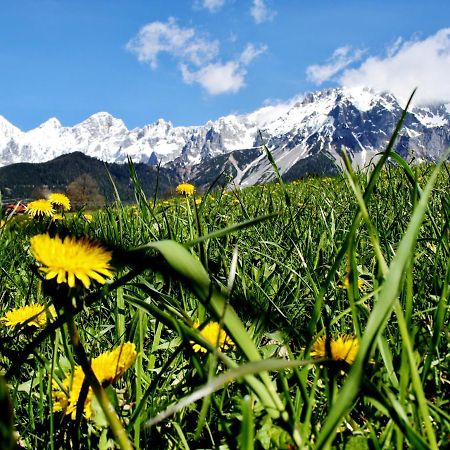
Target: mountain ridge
<point>313,127</point>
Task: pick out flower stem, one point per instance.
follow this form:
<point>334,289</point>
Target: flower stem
<point>99,392</point>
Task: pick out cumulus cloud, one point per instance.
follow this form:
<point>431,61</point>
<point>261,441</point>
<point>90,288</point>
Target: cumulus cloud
<point>273,109</point>
<point>220,78</point>
<point>340,59</point>
<point>424,64</point>
<point>261,12</point>
<point>406,64</point>
<point>210,5</point>
<point>167,37</point>
<point>196,56</point>
<point>217,78</point>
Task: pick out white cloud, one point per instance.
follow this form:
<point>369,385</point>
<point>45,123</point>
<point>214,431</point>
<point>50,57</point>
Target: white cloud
<point>211,5</point>
<point>251,52</point>
<point>217,78</point>
<point>340,59</point>
<point>167,37</point>
<point>272,109</point>
<point>424,64</point>
<point>261,12</point>
<point>197,57</point>
<point>395,47</point>
<point>220,78</point>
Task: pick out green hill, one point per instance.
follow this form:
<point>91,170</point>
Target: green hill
<point>19,181</point>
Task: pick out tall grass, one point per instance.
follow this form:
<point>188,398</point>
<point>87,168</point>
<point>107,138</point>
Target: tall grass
<point>364,254</point>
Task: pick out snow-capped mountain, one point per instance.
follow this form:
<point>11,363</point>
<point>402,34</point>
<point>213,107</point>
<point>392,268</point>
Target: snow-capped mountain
<point>316,128</point>
<point>298,133</point>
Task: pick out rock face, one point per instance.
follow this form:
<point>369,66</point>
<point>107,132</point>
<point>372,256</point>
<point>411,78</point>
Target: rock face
<point>304,136</point>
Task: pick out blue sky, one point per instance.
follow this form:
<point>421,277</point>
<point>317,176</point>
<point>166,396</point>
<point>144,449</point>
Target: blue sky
<point>189,61</point>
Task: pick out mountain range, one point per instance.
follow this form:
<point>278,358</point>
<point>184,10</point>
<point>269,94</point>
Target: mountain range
<point>305,136</point>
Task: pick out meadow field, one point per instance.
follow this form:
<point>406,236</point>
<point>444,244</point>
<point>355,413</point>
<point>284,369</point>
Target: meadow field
<point>312,314</point>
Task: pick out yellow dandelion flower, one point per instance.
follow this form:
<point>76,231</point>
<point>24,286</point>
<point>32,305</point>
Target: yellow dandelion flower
<point>60,395</point>
<point>346,283</point>
<point>40,207</point>
<point>198,201</point>
<point>344,348</point>
<point>108,368</point>
<point>185,189</point>
<point>88,217</point>
<point>59,199</point>
<point>71,258</point>
<point>20,315</point>
<point>215,335</point>
<point>71,400</point>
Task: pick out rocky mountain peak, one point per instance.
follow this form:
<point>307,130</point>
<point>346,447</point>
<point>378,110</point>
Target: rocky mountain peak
<point>297,132</point>
<point>102,123</point>
<point>7,129</point>
<point>53,122</point>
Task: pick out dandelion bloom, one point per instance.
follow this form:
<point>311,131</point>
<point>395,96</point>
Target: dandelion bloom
<point>214,334</point>
<point>185,189</point>
<point>40,207</point>
<point>344,348</point>
<point>108,368</point>
<point>87,217</point>
<point>59,199</point>
<point>346,283</point>
<point>36,312</point>
<point>70,258</point>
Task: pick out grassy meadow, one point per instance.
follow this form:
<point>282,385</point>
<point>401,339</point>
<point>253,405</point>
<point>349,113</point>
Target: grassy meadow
<point>312,314</point>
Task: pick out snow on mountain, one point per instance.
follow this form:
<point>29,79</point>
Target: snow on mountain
<point>9,134</point>
<point>437,116</point>
<point>309,136</point>
<point>299,132</point>
<point>160,141</point>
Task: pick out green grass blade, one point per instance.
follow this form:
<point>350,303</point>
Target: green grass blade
<point>218,382</point>
<point>377,319</point>
<point>247,434</point>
